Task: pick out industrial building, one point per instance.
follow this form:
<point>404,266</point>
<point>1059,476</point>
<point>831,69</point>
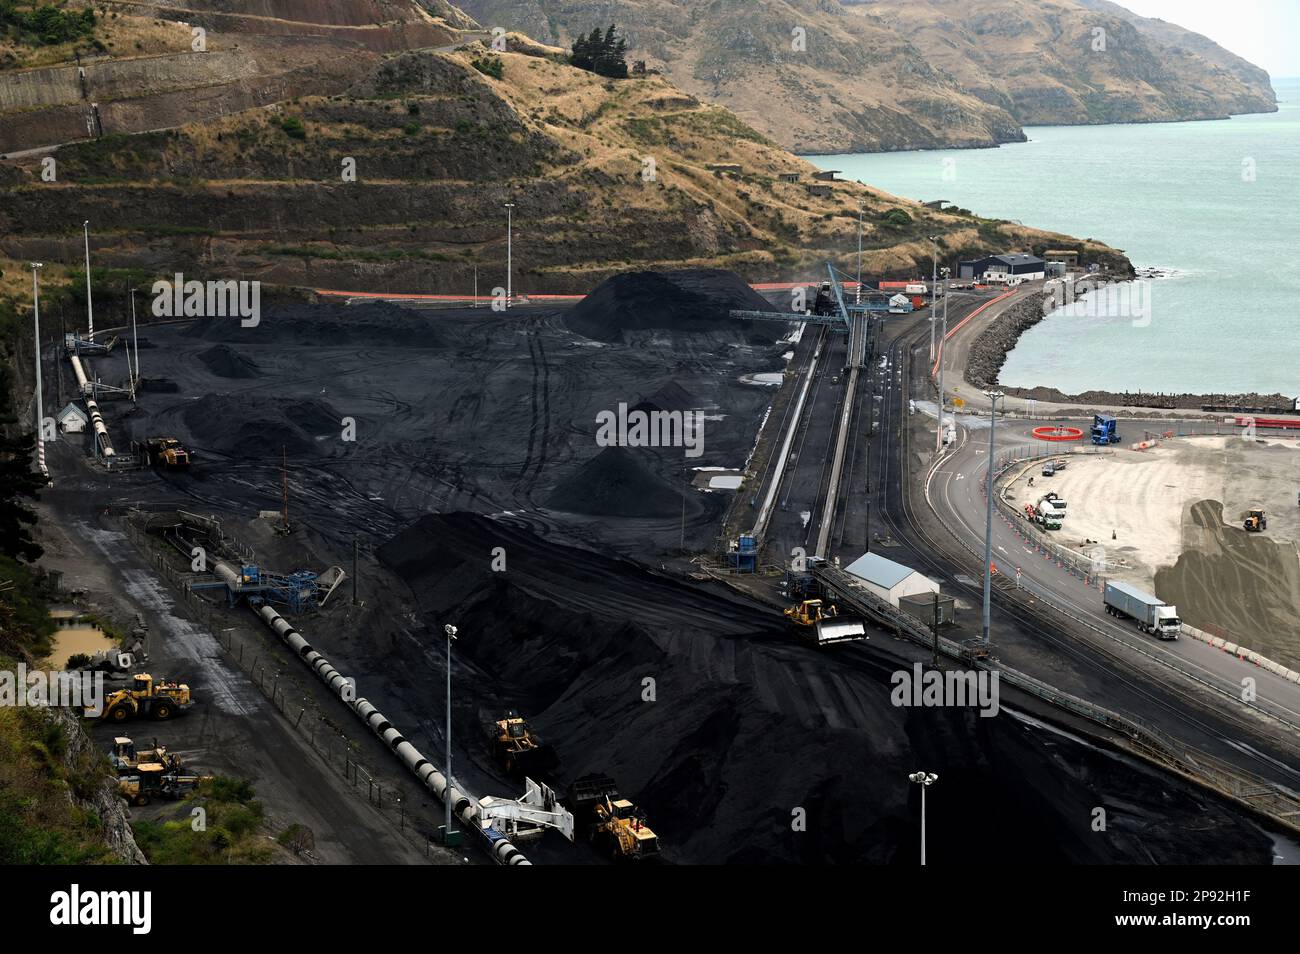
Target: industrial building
<point>1019,264</point>
<point>72,419</point>
<point>889,580</point>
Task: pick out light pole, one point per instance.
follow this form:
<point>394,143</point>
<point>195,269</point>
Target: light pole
<point>925,780</point>
<point>135,342</point>
<point>40,411</point>
<point>510,223</point>
<point>447,831</point>
<point>934,277</point>
<point>943,337</point>
<point>993,397</point>
<point>858,299</point>
<point>90,314</point>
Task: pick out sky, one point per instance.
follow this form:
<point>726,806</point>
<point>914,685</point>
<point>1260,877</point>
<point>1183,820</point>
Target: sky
<point>1266,32</point>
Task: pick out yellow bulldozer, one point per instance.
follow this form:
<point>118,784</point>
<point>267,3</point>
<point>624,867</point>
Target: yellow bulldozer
<point>518,750</point>
<point>145,699</point>
<point>1255,520</point>
<point>167,452</point>
<point>824,622</point>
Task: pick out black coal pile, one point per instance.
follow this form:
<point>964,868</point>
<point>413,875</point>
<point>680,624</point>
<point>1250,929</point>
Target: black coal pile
<point>228,425</point>
<point>671,397</point>
<point>225,362</point>
<point>708,713</point>
<point>695,301</point>
<point>616,483</point>
<point>376,324</point>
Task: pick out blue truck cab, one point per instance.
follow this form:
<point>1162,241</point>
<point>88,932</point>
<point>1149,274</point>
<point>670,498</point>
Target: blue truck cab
<point>1103,430</point>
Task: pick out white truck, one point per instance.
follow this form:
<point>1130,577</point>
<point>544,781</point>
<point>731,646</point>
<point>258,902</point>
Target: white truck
<point>1151,614</point>
<point>917,288</point>
<point>1052,502</point>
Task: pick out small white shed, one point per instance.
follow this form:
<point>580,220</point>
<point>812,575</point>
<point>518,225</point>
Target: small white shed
<point>72,419</point>
<point>889,580</point>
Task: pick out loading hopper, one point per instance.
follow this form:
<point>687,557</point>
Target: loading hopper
<point>839,630</point>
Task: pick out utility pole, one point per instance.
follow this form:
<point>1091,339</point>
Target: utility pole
<point>135,342</point>
<point>510,223</point>
<point>40,410</point>
<point>474,304</point>
<point>934,661</point>
<point>993,397</point>
<point>934,273</point>
<point>925,780</point>
<point>943,338</point>
<point>90,313</point>
<point>858,299</point>
<point>447,830</point>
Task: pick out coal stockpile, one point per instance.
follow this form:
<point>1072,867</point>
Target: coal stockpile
<point>270,431</point>
<point>743,726</point>
<point>226,362</point>
<point>681,301</point>
<point>377,324</point>
<point>616,483</point>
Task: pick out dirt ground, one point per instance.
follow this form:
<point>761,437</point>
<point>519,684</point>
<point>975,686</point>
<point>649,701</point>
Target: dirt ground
<point>1176,515</point>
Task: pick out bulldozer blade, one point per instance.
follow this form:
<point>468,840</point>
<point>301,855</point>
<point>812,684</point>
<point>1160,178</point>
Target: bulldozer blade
<point>838,630</point>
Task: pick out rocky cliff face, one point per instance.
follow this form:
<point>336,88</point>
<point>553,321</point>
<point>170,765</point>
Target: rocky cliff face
<point>907,74</point>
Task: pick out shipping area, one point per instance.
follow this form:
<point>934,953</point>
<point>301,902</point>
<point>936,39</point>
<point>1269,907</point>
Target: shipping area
<point>648,567</point>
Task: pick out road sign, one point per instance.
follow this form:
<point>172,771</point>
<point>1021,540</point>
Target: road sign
<point>958,402</point>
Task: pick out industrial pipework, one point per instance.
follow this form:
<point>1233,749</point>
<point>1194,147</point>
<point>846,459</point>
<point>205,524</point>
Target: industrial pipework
<point>96,419</point>
<point>465,807</point>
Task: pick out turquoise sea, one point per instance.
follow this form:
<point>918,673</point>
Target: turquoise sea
<point>1214,204</point>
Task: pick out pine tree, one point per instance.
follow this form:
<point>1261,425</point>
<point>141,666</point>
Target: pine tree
<point>18,481</point>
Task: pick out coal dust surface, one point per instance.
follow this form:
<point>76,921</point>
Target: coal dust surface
<point>727,731</point>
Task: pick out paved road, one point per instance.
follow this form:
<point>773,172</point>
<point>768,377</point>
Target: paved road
<point>956,492</point>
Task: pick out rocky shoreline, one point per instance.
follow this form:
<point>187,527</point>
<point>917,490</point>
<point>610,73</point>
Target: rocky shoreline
<point>988,353</point>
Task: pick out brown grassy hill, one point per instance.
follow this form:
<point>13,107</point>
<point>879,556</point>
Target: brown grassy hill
<point>1040,61</point>
<point>906,74</point>
<point>439,147</point>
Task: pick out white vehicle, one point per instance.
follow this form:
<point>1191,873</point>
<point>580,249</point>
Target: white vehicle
<point>1150,614</point>
<point>917,289</point>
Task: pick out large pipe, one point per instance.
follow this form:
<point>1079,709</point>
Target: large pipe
<point>97,419</point>
<point>465,806</point>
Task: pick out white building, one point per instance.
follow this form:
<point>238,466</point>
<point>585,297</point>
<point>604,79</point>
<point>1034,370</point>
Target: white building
<point>72,419</point>
<point>889,580</point>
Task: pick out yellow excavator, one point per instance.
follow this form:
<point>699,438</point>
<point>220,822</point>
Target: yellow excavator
<point>167,452</point>
<point>145,698</point>
<point>150,780</point>
<point>1255,520</point>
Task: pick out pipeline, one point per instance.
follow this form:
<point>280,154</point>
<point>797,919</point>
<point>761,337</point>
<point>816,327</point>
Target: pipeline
<point>96,419</point>
<point>464,806</point>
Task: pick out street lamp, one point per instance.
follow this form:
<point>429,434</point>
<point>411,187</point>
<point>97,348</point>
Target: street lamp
<point>994,397</point>
<point>925,780</point>
<point>447,831</point>
<point>943,337</point>
<point>90,314</point>
<point>934,277</point>
<point>510,216</point>
<point>858,299</point>
<point>40,411</point>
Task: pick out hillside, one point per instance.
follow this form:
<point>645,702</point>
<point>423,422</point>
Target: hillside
<point>604,174</point>
<point>1049,63</point>
<point>910,74</point>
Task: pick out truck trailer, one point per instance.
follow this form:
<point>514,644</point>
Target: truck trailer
<point>1151,614</point>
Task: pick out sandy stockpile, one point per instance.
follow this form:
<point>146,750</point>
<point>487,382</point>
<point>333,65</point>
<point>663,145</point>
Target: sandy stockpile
<point>746,725</point>
<point>1243,586</point>
<point>1145,497</point>
<point>693,301</point>
<point>377,324</point>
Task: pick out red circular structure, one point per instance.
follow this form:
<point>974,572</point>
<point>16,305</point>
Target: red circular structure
<point>1049,432</point>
